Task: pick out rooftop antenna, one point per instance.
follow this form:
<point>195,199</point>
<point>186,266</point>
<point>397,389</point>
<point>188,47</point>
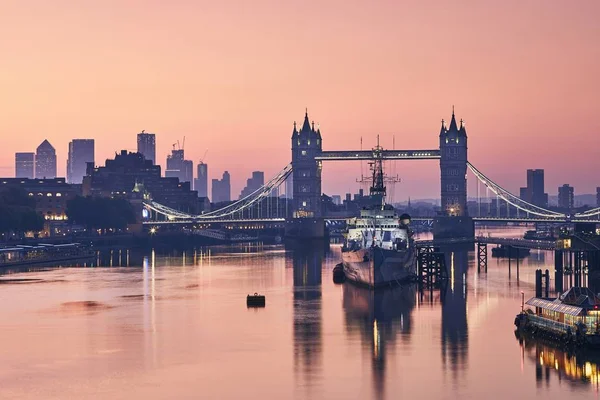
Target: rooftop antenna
<point>183,145</point>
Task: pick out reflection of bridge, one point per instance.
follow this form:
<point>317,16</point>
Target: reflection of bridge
<point>303,205</point>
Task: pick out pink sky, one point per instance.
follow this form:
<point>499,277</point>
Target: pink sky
<point>232,76</point>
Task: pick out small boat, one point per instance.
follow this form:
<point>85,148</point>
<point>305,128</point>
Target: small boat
<point>505,251</point>
<point>573,318</point>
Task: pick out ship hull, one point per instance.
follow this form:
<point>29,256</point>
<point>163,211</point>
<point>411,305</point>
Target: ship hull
<point>375,267</point>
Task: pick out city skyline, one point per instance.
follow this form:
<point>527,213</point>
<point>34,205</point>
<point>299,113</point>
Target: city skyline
<point>516,96</point>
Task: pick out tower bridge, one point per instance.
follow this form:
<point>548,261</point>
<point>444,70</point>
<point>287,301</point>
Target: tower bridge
<point>302,212</point>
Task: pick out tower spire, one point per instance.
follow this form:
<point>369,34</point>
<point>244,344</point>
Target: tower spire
<point>453,126</point>
<point>306,123</point>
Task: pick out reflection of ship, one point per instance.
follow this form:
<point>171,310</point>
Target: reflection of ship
<point>379,316</point>
<point>576,366</point>
<point>505,251</point>
<point>379,249</point>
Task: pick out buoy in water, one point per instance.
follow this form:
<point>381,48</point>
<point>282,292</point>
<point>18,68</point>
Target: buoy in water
<point>255,300</point>
<point>338,274</point>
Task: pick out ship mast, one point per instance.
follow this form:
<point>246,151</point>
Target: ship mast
<point>378,190</point>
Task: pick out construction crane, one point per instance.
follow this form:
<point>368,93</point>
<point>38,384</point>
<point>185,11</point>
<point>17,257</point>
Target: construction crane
<point>203,157</point>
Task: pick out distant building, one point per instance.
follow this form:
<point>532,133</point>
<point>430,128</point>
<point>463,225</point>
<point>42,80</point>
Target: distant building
<point>81,152</point>
<point>51,197</point>
<point>221,189</point>
<point>179,167</point>
<point>598,197</point>
<point>45,161</point>
<point>129,171</point>
<point>24,165</point>
<point>253,184</point>
<point>146,146</point>
<point>534,191</point>
<point>566,195</point>
<point>337,199</point>
<point>201,181</point>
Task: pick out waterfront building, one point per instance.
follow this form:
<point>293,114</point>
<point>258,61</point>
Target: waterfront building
<point>221,189</point>
<point>201,181</point>
<point>129,171</point>
<point>598,197</point>
<point>24,165</point>
<point>336,199</point>
<point>81,152</point>
<point>45,161</point>
<point>51,197</point>
<point>146,145</point>
<point>253,183</point>
<point>566,195</point>
<point>179,167</point>
<point>534,191</point>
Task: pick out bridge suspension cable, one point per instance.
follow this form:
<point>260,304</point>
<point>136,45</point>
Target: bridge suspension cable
<point>512,199</point>
<point>589,213</point>
<point>235,207</point>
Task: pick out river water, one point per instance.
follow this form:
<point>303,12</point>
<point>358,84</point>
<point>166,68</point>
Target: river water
<point>176,326</point>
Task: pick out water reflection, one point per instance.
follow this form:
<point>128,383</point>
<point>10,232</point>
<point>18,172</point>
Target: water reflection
<point>380,316</point>
<point>454,314</point>
<point>575,367</point>
<point>307,261</point>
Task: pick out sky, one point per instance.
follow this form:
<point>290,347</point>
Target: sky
<point>232,76</point>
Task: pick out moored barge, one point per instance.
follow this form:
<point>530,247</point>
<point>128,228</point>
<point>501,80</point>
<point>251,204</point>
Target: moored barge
<point>572,318</point>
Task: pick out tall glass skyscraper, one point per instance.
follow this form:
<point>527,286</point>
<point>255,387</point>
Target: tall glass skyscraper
<point>81,151</point>
<point>24,165</point>
<point>201,181</point>
<point>146,145</point>
<point>45,161</point>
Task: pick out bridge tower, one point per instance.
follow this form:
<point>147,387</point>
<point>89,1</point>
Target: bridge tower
<point>454,220</point>
<point>306,178</point>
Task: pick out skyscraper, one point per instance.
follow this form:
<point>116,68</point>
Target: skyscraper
<point>45,161</point>
<point>566,196</point>
<point>221,189</point>
<point>201,181</point>
<point>24,165</point>
<point>146,145</point>
<point>179,167</point>
<point>534,192</point>
<point>81,151</point>
<point>253,184</point>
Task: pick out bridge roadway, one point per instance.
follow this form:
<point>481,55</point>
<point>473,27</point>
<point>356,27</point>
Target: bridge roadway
<point>385,154</point>
<point>513,242</point>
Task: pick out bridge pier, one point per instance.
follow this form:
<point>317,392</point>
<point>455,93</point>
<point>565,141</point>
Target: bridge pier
<point>305,228</point>
<point>446,227</point>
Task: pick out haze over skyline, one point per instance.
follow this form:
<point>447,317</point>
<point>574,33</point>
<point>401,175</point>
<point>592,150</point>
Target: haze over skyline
<point>233,77</point>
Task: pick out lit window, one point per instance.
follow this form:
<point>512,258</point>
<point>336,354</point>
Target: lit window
<point>58,194</point>
<point>40,194</point>
<point>303,152</point>
<point>49,194</point>
<point>318,141</point>
<point>31,194</point>
<point>303,204</point>
<point>309,142</point>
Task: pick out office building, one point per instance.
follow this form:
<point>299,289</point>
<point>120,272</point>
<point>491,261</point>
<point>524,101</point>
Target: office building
<point>81,152</point>
<point>336,199</point>
<point>221,189</point>
<point>45,161</point>
<point>566,195</point>
<point>131,173</point>
<point>598,197</point>
<point>179,167</point>
<point>201,181</point>
<point>534,191</point>
<point>24,165</point>
<point>253,184</point>
<point>146,146</point>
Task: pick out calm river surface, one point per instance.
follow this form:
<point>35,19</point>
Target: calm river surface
<point>176,326</point>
